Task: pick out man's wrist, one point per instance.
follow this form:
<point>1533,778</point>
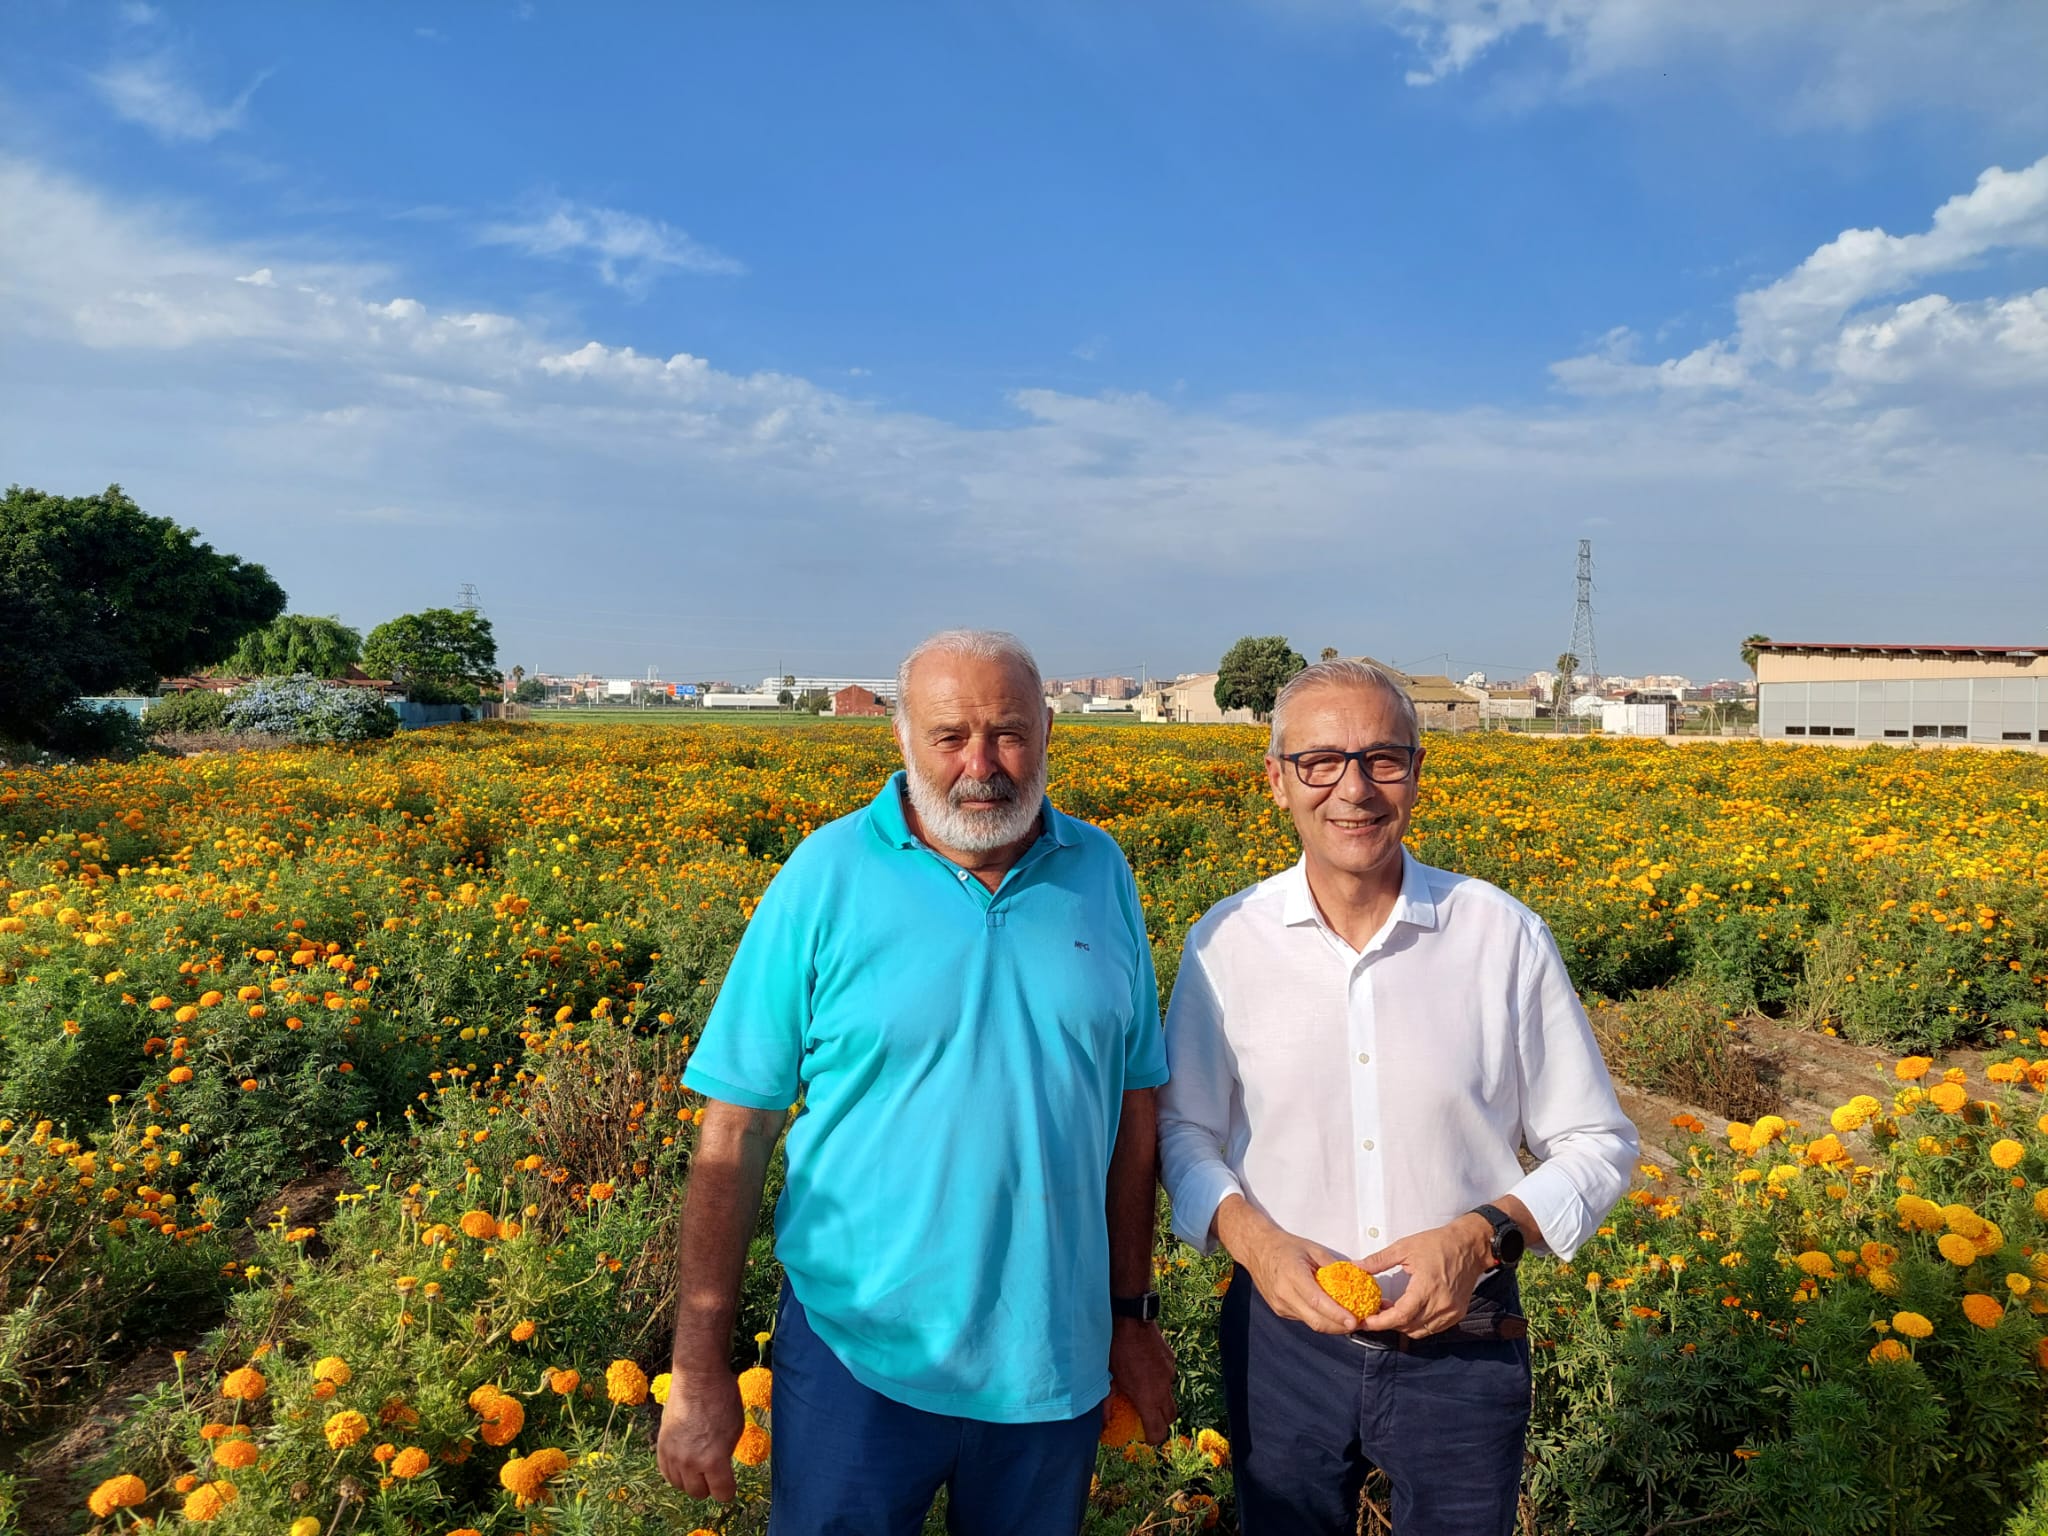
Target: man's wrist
<point>1477,1234</point>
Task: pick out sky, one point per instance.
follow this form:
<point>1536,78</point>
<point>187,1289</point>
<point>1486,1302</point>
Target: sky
<point>727,340</point>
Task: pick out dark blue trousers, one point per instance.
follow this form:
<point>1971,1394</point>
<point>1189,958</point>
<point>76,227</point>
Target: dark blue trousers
<point>850,1462</point>
<point>1312,1413</point>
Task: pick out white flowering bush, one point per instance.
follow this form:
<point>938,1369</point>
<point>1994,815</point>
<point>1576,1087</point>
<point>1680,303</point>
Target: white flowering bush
<point>305,709</point>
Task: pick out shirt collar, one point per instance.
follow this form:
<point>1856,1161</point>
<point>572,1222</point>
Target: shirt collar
<point>1414,906</point>
<point>886,816</point>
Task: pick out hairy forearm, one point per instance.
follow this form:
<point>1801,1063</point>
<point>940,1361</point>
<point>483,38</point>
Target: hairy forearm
<point>1133,1194</point>
<point>1239,1225</point>
<point>720,1207</point>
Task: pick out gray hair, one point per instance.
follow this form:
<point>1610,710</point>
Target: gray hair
<point>976,644</point>
<point>1345,674</point>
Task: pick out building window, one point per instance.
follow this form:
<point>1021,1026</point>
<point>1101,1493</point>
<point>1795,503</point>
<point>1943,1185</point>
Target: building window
<point>2015,736</point>
<point>1954,730</point>
<point>1845,730</point>
<point>1795,730</point>
<point>1926,730</point>
<point>1895,733</point>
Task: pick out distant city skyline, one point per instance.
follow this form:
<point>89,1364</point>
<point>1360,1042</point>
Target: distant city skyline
<point>724,340</point>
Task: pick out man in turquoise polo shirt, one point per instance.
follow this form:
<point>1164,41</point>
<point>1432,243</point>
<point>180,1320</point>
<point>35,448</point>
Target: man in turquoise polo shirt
<point>956,983</point>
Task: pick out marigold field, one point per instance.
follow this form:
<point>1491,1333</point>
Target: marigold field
<point>339,1114</point>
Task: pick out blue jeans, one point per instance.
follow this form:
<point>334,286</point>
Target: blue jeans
<point>850,1462</point>
<point>1312,1413</point>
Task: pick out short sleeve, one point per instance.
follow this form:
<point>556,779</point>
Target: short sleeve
<point>753,1043</point>
<point>1144,1040</point>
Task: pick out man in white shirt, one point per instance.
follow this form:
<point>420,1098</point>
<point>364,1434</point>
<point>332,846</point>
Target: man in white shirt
<point>1358,1047</point>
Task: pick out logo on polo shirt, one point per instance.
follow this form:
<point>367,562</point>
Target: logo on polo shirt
<point>1078,944</point>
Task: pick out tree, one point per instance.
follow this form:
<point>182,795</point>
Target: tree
<point>1750,647</point>
<point>531,690</point>
<point>97,595</point>
<point>1329,653</point>
<point>1561,693</point>
<point>1253,672</point>
<point>297,643</point>
<point>438,655</point>
<point>785,698</point>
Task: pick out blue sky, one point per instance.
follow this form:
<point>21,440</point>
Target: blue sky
<point>723,339</point>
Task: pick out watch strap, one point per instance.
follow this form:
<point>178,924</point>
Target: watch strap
<point>1144,1308</point>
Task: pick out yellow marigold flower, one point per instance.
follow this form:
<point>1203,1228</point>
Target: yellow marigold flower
<point>410,1462</point>
<point>1767,1130</point>
<point>1963,1221</point>
<point>1915,1212</point>
<point>2006,1153</point>
<point>1213,1446</point>
<point>563,1382</point>
<point>1813,1262</point>
<point>1889,1352</point>
<point>752,1449</point>
<point>207,1501</point>
<point>246,1384</point>
<point>123,1492</point>
<point>1351,1288</point>
<point>332,1368</point>
<point>346,1428</point>
<point>234,1455</point>
<point>503,1418</point>
<point>626,1383</point>
<point>523,1330</point>
<point>1990,1239</point>
<point>179,1075</point>
<point>1957,1249</point>
<point>1826,1149</point>
<point>1949,1098</point>
<point>1120,1422</point>
<point>2041,1203</point>
<point>1884,1282</point>
<point>1912,1325</point>
<point>1912,1068</point>
<point>757,1388</point>
<point>305,1525</point>
<point>1739,1135</point>
<point>2018,1284</point>
<point>658,1388</point>
<point>1984,1311</point>
<point>481,1225</point>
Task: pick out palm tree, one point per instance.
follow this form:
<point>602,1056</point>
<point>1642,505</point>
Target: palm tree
<point>1329,653</point>
<point>1561,694</point>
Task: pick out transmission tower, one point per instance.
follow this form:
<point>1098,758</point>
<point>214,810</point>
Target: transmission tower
<point>468,601</point>
<point>1582,619</point>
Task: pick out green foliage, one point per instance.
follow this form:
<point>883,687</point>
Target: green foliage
<point>1253,672</point>
<point>95,731</point>
<point>195,710</point>
<point>531,690</point>
<point>96,596</point>
<point>297,643</point>
<point>439,655</point>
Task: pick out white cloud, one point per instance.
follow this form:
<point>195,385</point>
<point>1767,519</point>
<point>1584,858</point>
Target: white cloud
<point>629,251</point>
<point>1820,324</point>
<point>152,91</point>
<point>1818,60</point>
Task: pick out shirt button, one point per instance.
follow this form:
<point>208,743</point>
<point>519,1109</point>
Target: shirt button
<point>1367,1143</point>
<point>1363,1058</point>
<point>1372,1231</point>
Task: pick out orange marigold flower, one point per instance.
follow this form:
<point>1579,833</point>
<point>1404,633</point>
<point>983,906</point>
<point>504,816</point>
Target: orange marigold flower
<point>1351,1288</point>
<point>526,1477</point>
<point>1813,1262</point>
<point>1957,1249</point>
<point>1922,1214</point>
<point>1949,1098</point>
<point>179,1075</point>
<point>625,1383</point>
<point>410,1462</point>
<point>757,1388</point>
<point>1120,1422</point>
<point>1889,1352</point>
<point>235,1454</point>
<point>1984,1311</point>
<point>1912,1325</point>
<point>345,1428</point>
<point>1213,1446</point>
<point>384,1452</point>
<point>483,1394</point>
<point>1912,1068</point>
<point>207,1501</point>
<point>523,1330</point>
<point>2006,1153</point>
<point>562,1383</point>
<point>481,1225</point>
<point>503,1418</point>
<point>752,1449</point>
<point>123,1492</point>
<point>246,1384</point>
<point>601,1190</point>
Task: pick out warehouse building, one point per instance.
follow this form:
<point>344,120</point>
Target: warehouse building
<point>1979,693</point>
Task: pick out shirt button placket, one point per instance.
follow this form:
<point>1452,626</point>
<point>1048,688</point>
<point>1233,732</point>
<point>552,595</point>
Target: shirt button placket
<point>1365,1101</point>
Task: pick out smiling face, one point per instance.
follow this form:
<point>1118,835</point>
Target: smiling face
<point>1354,827</point>
<point>974,734</point>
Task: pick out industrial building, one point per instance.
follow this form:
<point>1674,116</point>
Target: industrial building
<point>1890,692</point>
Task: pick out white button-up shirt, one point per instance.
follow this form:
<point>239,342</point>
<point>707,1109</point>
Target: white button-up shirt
<point>1358,1096</point>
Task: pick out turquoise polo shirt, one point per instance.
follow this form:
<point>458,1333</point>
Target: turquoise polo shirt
<point>961,1056</point>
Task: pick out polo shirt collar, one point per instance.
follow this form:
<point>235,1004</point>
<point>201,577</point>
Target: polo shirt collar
<point>1414,906</point>
<point>886,816</point>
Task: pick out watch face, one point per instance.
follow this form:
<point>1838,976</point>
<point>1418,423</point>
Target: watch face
<point>1509,1244</point>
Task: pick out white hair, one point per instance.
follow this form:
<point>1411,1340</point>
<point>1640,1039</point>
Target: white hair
<point>1345,674</point>
<point>976,644</point>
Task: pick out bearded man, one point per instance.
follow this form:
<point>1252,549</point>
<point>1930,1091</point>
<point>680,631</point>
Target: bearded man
<point>957,984</point>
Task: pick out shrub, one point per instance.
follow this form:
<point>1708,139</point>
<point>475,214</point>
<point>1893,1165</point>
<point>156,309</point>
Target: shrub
<point>200,709</point>
<point>304,709</point>
<point>93,730</point>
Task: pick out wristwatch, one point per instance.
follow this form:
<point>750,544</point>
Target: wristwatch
<point>1508,1241</point>
<point>1144,1308</point>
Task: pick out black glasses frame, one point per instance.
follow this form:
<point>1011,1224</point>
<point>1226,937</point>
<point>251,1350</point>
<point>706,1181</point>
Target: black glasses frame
<point>1367,759</point>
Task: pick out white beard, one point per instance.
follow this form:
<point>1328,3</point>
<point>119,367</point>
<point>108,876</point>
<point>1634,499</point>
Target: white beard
<point>977,831</point>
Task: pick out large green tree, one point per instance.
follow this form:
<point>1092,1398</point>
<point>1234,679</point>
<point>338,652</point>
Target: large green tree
<point>1253,672</point>
<point>294,643</point>
<point>97,595</point>
<point>436,655</point>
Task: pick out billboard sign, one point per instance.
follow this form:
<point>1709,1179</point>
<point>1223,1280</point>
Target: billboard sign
<point>619,688</point>
<point>686,690</point>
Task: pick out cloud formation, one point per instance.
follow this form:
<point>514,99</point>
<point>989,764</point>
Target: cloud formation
<point>152,92</point>
<point>629,251</point>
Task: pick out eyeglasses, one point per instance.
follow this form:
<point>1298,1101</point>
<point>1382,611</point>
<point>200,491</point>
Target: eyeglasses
<point>1382,764</point>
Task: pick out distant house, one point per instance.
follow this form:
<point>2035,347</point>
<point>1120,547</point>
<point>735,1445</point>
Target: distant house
<point>855,702</point>
<point>1189,700</point>
<point>1440,704</point>
<point>1068,701</point>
